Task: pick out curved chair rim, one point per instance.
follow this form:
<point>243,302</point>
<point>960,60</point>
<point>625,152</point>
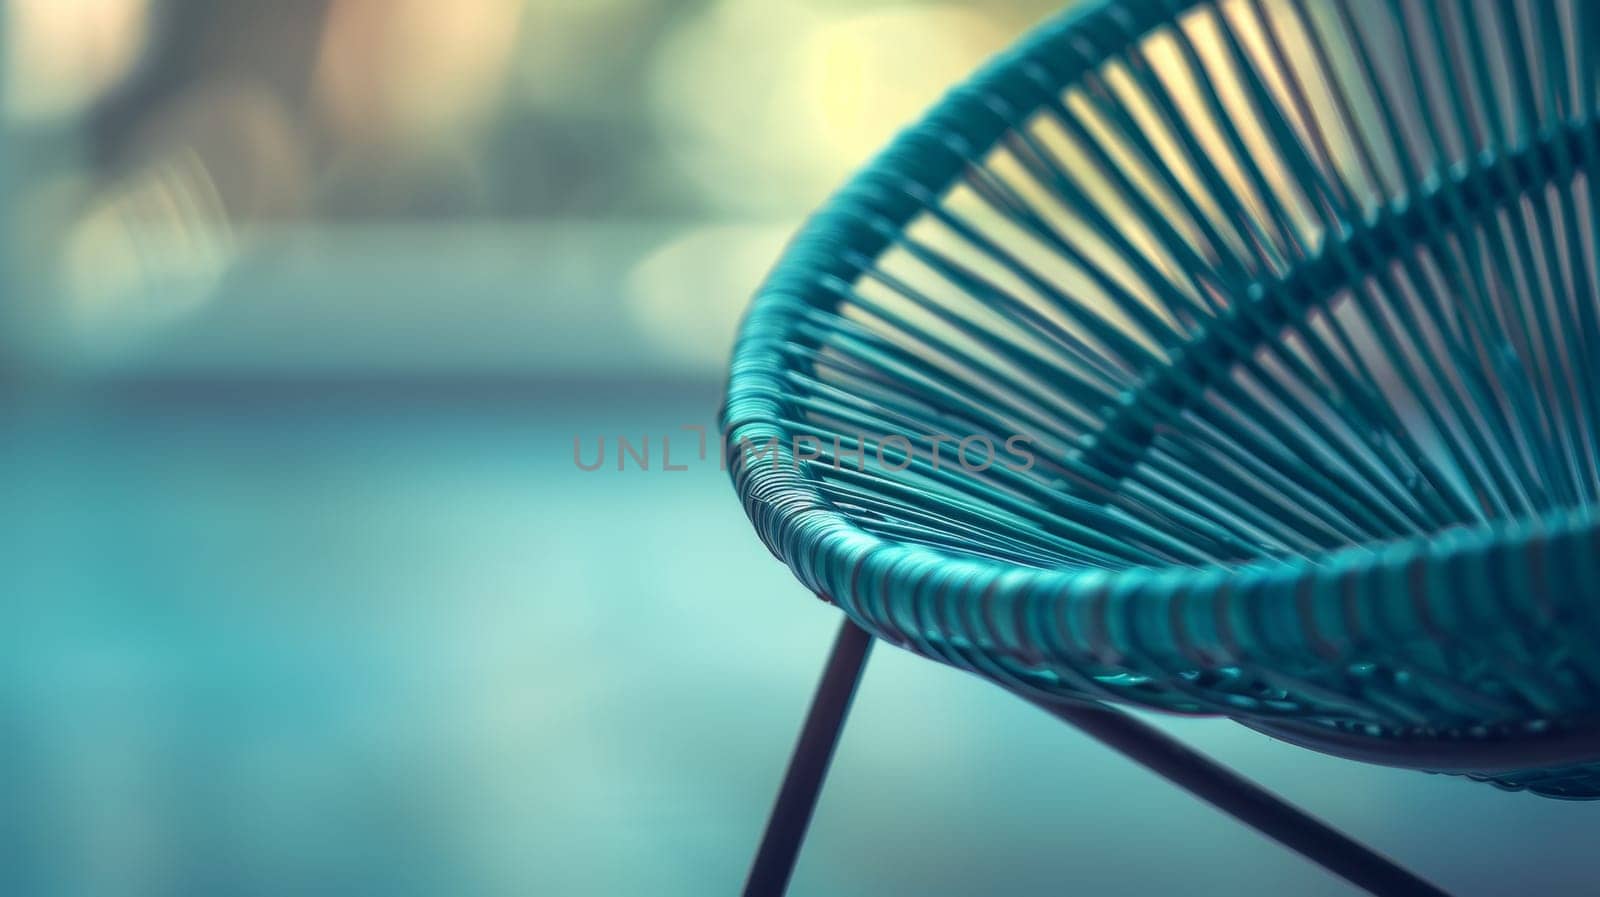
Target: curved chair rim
<point>832,555</point>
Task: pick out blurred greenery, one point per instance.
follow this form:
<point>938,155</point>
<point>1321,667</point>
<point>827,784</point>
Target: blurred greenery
<point>159,146</point>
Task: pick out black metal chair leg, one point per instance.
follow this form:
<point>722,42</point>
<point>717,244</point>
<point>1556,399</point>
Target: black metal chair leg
<point>1144,744</point>
<point>1244,800</point>
<point>791,814</point>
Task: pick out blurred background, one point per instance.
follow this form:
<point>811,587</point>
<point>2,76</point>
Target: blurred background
<point>304,304</point>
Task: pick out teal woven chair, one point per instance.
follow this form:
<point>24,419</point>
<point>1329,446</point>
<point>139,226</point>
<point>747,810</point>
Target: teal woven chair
<point>1234,358</point>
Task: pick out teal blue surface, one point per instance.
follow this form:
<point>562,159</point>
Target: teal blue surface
<point>325,640</point>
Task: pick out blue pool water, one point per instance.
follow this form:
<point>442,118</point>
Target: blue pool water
<point>338,639</point>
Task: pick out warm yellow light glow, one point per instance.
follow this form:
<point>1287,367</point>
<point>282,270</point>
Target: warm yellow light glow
<point>864,77</point>
<point>62,54</point>
<point>772,103</point>
<point>416,70</point>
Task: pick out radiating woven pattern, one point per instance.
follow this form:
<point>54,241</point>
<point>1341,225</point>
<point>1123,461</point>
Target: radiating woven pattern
<point>1262,342</point>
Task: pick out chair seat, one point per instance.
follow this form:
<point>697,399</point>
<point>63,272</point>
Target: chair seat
<point>1234,359</point>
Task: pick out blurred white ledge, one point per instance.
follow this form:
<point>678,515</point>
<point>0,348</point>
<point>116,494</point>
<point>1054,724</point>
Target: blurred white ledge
<point>613,300</point>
